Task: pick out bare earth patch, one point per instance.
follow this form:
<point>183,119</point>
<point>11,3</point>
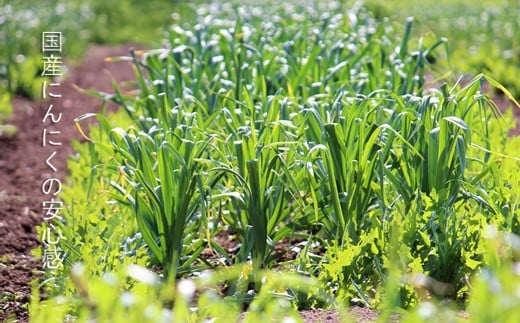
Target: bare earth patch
<point>23,169</point>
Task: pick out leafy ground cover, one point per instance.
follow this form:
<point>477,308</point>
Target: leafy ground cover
<point>286,163</point>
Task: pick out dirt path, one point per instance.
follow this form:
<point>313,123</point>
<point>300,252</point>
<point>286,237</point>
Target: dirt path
<point>23,169</point>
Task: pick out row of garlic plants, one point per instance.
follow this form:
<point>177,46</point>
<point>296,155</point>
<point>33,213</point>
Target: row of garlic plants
<point>312,124</point>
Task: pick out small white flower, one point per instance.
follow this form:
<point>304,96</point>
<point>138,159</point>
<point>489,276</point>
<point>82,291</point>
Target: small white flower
<point>186,288</point>
<point>142,274</point>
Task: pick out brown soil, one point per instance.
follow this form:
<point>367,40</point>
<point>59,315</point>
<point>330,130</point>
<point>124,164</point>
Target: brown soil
<point>23,170</point>
<point>503,103</point>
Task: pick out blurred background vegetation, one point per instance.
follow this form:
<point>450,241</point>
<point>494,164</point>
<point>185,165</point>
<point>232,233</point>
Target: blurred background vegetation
<point>82,23</point>
<point>483,36</point>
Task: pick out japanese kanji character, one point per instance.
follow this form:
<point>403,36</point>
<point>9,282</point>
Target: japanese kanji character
<point>51,41</point>
<point>52,257</point>
<point>52,66</point>
<point>47,237</point>
<point>52,209</point>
